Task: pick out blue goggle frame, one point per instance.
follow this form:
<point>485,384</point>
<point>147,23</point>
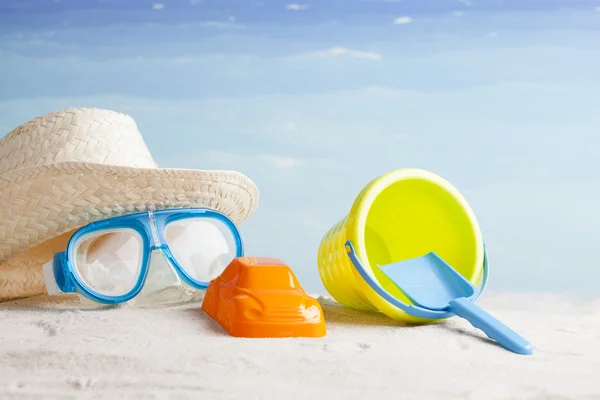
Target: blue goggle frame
<point>150,226</point>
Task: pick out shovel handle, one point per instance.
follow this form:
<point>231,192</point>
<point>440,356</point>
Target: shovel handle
<point>493,328</point>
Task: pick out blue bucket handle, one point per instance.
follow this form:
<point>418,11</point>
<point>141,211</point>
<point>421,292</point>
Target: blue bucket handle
<point>410,309</point>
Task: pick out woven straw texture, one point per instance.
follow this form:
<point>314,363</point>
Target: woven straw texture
<point>66,169</point>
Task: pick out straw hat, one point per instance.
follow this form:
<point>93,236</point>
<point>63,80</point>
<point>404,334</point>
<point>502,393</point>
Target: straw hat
<point>60,171</point>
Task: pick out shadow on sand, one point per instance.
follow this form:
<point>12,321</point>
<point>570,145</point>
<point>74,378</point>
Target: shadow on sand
<point>337,313</point>
<point>333,311</point>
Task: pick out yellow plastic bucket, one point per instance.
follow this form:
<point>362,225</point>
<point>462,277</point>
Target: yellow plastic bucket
<point>400,215</point>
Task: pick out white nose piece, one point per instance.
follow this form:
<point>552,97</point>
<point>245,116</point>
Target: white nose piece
<point>163,286</point>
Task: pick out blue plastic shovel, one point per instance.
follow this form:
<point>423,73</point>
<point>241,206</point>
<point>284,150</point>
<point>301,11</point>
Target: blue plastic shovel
<point>431,283</point>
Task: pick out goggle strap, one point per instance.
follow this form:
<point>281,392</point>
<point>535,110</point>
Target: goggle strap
<point>50,280</point>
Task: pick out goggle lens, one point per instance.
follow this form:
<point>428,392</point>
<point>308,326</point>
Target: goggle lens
<point>109,262</point>
<point>203,247</point>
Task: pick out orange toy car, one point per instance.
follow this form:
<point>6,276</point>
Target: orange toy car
<point>261,297</point>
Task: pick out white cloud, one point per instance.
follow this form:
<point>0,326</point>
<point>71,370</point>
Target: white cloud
<point>222,25</point>
<point>342,51</point>
<point>459,13</point>
<point>402,20</point>
<point>239,160</point>
<point>598,9</point>
<point>297,7</point>
<point>158,6</point>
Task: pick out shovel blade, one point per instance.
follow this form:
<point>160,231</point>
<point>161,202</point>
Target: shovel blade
<point>429,281</point>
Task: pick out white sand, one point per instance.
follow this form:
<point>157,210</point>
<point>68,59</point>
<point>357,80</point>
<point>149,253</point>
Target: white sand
<point>51,351</point>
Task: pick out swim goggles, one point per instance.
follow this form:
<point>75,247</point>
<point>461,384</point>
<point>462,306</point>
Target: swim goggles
<point>108,261</point>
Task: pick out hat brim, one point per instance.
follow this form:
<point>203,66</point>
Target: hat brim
<point>43,202</point>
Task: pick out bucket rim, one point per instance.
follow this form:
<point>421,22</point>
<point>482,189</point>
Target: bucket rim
<point>356,222</point>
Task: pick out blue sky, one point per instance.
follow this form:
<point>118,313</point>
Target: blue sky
<point>313,100</point>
